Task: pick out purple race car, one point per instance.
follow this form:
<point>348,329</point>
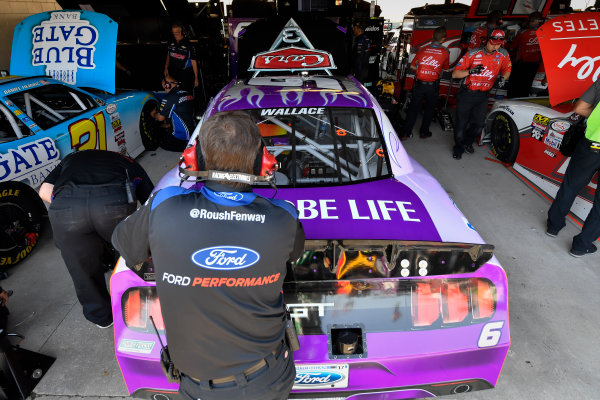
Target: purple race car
<point>396,295</point>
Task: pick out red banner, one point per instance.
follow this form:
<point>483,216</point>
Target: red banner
<point>570,46</point>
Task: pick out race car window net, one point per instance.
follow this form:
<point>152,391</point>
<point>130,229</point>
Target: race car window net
<point>330,146</point>
<point>49,105</point>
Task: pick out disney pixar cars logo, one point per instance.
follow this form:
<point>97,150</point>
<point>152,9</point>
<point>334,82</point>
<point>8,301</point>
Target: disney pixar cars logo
<point>292,58</point>
<point>225,257</point>
<point>63,44</point>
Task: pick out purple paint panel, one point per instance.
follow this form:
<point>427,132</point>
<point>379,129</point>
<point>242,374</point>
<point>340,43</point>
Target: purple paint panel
<point>383,209</point>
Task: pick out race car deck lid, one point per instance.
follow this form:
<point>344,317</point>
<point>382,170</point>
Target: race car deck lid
<point>292,58</point>
<point>69,45</point>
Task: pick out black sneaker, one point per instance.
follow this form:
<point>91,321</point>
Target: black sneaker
<point>105,326</point>
<point>457,155</point>
<point>425,135</point>
<point>469,149</point>
<point>581,253</point>
<point>404,137</point>
<point>552,232</point>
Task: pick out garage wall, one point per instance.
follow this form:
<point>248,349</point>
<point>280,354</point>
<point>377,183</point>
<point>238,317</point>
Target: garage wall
<point>13,12</point>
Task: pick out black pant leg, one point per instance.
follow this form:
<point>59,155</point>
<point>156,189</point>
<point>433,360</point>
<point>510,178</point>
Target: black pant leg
<point>463,110</point>
<point>431,96</point>
<point>414,108</point>
<point>478,111</point>
<point>81,249</point>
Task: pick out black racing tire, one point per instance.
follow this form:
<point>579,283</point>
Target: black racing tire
<point>21,212</point>
<point>149,128</point>
<point>504,138</point>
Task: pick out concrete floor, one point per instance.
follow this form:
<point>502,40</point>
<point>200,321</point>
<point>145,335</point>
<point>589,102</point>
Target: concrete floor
<point>554,298</point>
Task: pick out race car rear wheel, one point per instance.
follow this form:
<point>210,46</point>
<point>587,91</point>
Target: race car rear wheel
<point>505,138</point>
<point>21,212</point>
<point>149,127</point>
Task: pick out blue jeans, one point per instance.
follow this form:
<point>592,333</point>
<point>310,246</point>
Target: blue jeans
<point>83,219</point>
<point>272,382</point>
<point>582,167</point>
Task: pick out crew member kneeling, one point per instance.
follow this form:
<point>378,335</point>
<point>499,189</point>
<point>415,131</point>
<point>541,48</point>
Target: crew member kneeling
<point>225,317</point>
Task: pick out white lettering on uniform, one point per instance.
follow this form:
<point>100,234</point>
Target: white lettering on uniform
<point>176,279</point>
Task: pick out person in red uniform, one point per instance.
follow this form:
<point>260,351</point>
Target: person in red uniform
<point>428,63</point>
<point>480,35</point>
<point>527,56</point>
<point>478,69</point>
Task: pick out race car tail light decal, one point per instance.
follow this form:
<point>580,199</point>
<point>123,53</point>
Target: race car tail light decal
<point>138,304</point>
<point>455,308</point>
<point>483,294</point>
<point>426,306</point>
<point>391,304</point>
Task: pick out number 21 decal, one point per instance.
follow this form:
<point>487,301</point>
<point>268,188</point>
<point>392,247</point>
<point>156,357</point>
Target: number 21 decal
<point>89,134</point>
<point>490,334</point>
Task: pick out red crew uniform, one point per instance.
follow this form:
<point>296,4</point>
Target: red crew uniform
<point>527,46</point>
<point>429,62</point>
<point>478,38</point>
<point>472,97</point>
<point>528,57</point>
<point>494,64</point>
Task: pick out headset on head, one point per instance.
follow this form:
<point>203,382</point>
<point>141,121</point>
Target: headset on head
<point>191,164</point>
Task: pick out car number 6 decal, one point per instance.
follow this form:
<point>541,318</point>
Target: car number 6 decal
<point>490,334</point>
<point>89,134</point>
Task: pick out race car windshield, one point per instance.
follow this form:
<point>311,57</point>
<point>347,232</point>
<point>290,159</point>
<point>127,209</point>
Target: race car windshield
<point>323,146</point>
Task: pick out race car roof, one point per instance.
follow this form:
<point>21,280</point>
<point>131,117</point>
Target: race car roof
<point>293,92</point>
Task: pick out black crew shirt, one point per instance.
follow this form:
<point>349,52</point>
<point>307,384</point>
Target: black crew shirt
<point>220,261</point>
<point>178,105</point>
<point>181,54</point>
<point>100,167</point>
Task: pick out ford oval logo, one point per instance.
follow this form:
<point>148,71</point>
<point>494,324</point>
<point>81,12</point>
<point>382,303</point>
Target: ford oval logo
<point>225,257</point>
<point>317,378</point>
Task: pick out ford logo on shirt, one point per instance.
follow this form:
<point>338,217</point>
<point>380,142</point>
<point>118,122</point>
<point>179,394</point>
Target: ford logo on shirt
<point>225,257</point>
<point>317,378</point>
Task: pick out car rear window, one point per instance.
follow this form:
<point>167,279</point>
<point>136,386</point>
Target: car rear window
<point>321,145</point>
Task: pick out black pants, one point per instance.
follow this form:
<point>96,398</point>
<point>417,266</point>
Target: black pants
<point>521,78</point>
<point>171,143</point>
<point>272,382</point>
<point>422,93</point>
<point>471,109</point>
<point>83,219</point>
<point>583,165</point>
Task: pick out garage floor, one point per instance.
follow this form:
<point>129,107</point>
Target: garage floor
<point>554,298</point>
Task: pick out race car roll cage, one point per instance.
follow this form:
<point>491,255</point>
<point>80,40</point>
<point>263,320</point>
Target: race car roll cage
<point>329,154</point>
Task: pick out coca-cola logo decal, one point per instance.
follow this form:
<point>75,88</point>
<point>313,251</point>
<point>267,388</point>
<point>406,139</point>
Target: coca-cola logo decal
<point>569,46</point>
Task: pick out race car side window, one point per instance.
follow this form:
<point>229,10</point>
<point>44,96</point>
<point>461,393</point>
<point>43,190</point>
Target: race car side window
<point>9,129</point>
<point>50,105</point>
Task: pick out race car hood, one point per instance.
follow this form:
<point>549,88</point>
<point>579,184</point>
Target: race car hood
<point>72,46</point>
